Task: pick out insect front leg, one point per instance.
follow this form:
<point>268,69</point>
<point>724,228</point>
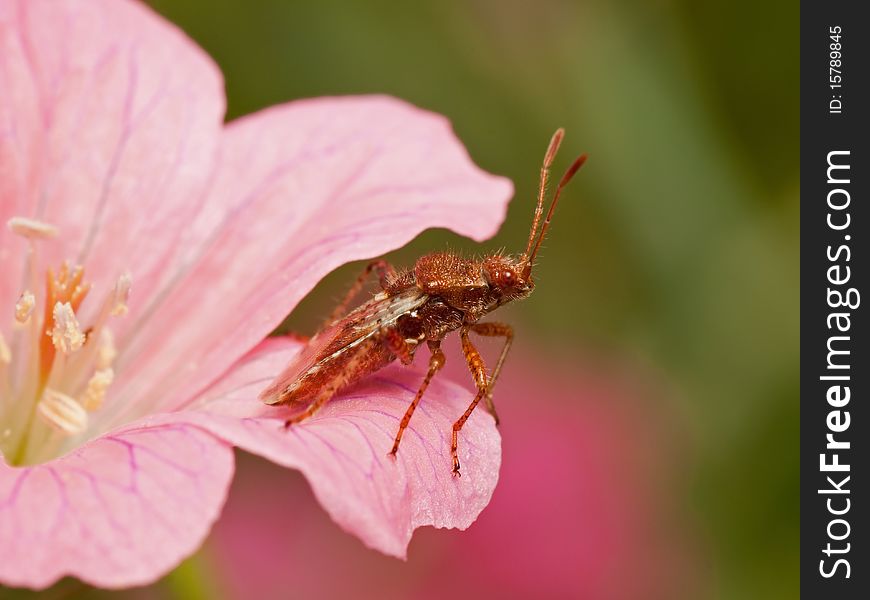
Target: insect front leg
<point>495,330</point>
<point>332,385</point>
<point>436,361</point>
<point>385,272</point>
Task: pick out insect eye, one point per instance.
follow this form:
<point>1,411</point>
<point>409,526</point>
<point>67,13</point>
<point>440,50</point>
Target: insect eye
<point>504,278</point>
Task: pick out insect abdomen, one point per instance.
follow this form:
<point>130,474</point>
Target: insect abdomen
<point>341,369</point>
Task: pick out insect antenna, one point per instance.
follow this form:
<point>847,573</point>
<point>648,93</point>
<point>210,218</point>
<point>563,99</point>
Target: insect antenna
<point>552,149</point>
<point>529,255</point>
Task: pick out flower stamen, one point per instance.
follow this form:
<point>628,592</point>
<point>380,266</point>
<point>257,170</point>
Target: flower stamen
<point>95,392</point>
<point>5,352</point>
<point>24,307</point>
<point>67,286</point>
<point>56,369</point>
<point>5,362</point>
<point>66,335</point>
<point>64,294</point>
<point>106,353</point>
<point>120,296</point>
<point>62,412</point>
<point>31,228</point>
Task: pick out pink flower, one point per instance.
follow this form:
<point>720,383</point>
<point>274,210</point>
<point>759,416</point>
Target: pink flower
<point>128,377</point>
<point>585,508</point>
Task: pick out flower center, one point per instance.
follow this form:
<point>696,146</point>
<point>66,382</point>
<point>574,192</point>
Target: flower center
<point>53,372</point>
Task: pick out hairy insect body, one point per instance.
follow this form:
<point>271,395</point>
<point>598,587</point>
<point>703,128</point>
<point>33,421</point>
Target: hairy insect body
<point>422,305</point>
<point>444,292</point>
<point>343,352</point>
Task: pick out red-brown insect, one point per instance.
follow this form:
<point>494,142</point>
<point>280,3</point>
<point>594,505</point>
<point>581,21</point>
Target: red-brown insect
<point>442,293</point>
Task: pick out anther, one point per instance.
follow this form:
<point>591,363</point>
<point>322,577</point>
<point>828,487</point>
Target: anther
<point>24,307</point>
<point>95,392</point>
<point>31,228</point>
<point>106,352</point>
<point>121,294</point>
<point>66,335</point>
<point>68,285</point>
<point>62,412</point>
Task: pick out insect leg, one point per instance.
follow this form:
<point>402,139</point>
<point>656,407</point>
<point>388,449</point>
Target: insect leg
<point>478,371</point>
<point>436,361</point>
<point>397,344</point>
<point>385,271</point>
<point>495,330</point>
<point>336,383</point>
<point>454,440</point>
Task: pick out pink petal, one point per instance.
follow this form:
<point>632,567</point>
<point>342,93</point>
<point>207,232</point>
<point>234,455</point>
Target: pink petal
<point>119,511</point>
<point>109,122</point>
<point>301,189</point>
<point>342,450</point>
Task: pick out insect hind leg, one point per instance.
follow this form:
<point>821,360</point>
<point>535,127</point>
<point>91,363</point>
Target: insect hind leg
<point>436,361</point>
<point>457,426</point>
<point>333,385</point>
<point>385,272</point>
<point>398,346</point>
<point>493,329</point>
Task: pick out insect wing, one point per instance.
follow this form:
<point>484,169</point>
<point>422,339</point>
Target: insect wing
<point>363,322</point>
<point>300,365</point>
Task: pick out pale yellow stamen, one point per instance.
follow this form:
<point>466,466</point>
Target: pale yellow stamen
<point>121,295</point>
<point>57,371</point>
<point>95,393</point>
<point>66,335</point>
<point>62,412</point>
<point>5,352</point>
<point>24,307</point>
<point>31,228</point>
<point>106,353</point>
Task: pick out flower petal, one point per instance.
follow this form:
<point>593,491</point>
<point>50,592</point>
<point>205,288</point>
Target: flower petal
<point>342,450</point>
<point>119,511</point>
<point>301,189</point>
<point>110,119</point>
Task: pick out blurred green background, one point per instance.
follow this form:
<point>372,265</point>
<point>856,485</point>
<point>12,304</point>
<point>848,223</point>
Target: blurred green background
<point>678,248</point>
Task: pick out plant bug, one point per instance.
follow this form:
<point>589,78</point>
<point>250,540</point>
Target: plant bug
<point>443,292</point>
